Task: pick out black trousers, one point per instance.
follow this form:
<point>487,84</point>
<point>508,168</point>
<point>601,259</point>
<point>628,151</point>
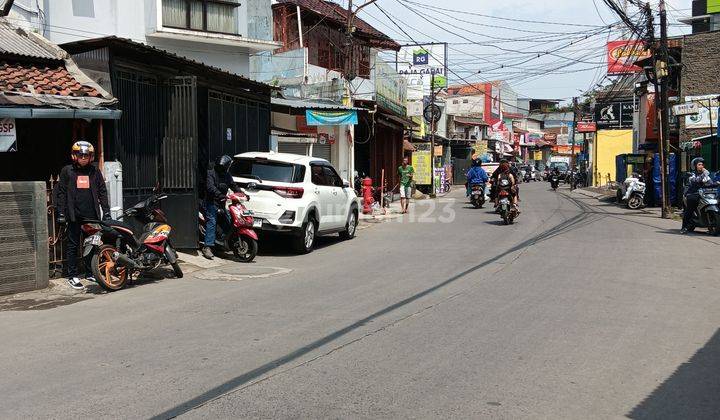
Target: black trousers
<point>689,212</point>
<point>73,248</point>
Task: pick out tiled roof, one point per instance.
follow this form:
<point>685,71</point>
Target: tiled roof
<point>17,41</point>
<point>52,80</point>
<point>338,14</point>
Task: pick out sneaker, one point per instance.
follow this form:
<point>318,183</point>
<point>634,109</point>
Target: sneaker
<point>75,283</point>
<point>207,253</point>
<point>683,231</point>
<point>91,278</point>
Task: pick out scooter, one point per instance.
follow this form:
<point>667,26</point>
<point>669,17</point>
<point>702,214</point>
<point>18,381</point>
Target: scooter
<point>477,195</point>
<point>507,211</point>
<point>528,176</point>
<point>118,254</point>
<point>632,192</point>
<point>239,237</point>
<point>554,181</point>
<point>707,214</point>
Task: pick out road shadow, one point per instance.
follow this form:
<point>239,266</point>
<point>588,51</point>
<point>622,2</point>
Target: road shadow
<point>691,392</point>
<point>281,245</point>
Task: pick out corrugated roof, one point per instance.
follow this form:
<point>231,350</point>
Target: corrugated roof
<point>308,104</point>
<point>17,41</point>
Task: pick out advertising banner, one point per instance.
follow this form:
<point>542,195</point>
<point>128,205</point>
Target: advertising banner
<point>615,115</point>
<point>704,118</point>
<point>622,55</point>
<point>422,166</point>
<point>331,117</point>
<point>537,155</point>
<point>390,88</point>
<point>586,127</point>
<point>8,135</point>
<point>713,6</point>
<point>417,63</point>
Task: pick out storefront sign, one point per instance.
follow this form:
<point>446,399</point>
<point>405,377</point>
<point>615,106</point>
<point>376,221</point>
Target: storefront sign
<point>314,117</point>
<point>551,137</point>
<point>417,63</point>
<point>586,127</point>
<point>622,56</point>
<point>390,88</point>
<point>8,135</point>
<point>690,108</point>
<point>423,167</point>
<point>532,138</point>
<point>704,118</point>
<point>614,115</point>
<point>537,156</point>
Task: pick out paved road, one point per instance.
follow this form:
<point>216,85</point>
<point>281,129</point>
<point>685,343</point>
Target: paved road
<point>580,310</point>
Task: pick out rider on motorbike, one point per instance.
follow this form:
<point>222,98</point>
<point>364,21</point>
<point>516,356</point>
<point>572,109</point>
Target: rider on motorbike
<point>699,178</point>
<point>504,172</point>
<point>218,182</point>
<point>476,175</point>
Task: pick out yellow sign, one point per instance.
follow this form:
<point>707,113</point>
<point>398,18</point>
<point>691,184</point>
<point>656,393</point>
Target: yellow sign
<point>538,155</point>
<point>438,150</point>
<point>481,147</point>
<point>422,166</point>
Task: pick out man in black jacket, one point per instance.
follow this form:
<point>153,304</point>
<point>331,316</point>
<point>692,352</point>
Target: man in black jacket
<point>81,195</point>
<point>218,182</point>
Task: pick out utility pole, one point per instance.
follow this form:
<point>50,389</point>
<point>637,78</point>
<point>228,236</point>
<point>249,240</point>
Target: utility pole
<point>572,147</point>
<point>662,75</point>
<point>432,135</point>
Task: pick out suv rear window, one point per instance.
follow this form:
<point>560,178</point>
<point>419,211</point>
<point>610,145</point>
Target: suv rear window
<point>267,170</point>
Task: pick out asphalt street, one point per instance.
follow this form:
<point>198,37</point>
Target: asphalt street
<point>579,310</point>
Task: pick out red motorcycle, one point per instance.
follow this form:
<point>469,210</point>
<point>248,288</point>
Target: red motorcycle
<point>117,253</point>
<point>239,237</point>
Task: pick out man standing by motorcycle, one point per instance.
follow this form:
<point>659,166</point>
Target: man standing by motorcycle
<point>218,182</point>
<point>699,178</point>
<point>81,195</point>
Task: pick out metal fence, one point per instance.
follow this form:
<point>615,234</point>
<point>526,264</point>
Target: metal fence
<point>56,233</point>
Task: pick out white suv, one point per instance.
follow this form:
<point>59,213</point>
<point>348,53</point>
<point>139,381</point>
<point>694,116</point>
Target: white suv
<point>297,195</point>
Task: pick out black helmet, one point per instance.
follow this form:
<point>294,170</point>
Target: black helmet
<point>222,163</point>
<point>694,163</point>
<point>476,162</point>
<point>504,161</point>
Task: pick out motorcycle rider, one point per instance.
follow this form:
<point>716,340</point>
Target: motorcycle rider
<point>504,172</point>
<point>476,175</point>
<point>699,178</point>
<point>218,182</point>
<point>81,195</point>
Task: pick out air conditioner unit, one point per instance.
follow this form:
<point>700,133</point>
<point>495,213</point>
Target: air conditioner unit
<point>24,251</point>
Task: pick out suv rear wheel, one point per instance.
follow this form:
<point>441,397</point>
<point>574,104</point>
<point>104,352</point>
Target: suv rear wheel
<point>305,240</point>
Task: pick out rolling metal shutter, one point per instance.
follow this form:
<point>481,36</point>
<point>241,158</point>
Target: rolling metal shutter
<point>322,151</point>
<point>24,251</point>
<point>294,148</point>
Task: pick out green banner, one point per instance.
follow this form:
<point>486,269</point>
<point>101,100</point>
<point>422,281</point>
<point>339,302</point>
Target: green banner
<point>713,6</point>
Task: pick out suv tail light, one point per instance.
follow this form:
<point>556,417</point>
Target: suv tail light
<point>289,192</point>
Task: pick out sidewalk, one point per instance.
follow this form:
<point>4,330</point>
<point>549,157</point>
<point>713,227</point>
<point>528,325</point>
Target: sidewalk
<point>390,212</point>
<point>602,194</point>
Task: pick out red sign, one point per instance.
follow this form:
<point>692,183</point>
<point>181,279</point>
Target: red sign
<point>586,127</point>
<point>622,56</point>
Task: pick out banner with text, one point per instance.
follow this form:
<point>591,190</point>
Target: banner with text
<point>417,63</point>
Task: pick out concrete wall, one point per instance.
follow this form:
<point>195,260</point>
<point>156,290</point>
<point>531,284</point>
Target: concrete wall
<point>609,144</point>
<point>701,61</point>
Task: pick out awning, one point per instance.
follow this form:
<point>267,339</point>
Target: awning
<point>283,104</point>
<point>405,122</point>
<point>407,146</point>
<point>59,113</point>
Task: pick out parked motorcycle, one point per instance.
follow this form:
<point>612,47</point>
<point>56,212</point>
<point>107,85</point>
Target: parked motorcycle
<point>528,176</point>
<point>554,181</point>
<point>707,214</point>
<point>118,254</point>
<point>477,195</point>
<point>236,234</point>
<point>507,211</point>
<point>632,192</point>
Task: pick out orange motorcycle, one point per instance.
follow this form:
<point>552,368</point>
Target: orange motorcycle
<point>118,254</point>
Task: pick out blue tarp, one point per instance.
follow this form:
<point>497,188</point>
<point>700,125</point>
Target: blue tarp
<point>672,177</point>
<point>331,117</point>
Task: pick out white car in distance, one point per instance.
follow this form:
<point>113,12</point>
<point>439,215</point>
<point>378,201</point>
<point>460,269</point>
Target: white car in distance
<point>296,195</point>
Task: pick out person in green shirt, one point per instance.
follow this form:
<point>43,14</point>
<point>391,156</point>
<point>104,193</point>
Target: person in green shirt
<point>406,173</point>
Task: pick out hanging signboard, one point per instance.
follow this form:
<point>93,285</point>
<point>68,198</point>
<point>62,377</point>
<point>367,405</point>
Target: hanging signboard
<point>422,166</point>
<point>8,135</point>
<point>315,117</point>
<point>586,127</point>
<point>537,155</point>
<point>622,55</point>
<point>690,108</point>
<point>417,63</point>
<point>704,118</point>
<point>615,115</point>
<point>390,88</point>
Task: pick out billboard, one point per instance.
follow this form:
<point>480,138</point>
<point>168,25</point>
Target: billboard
<point>704,118</point>
<point>417,63</point>
<point>622,55</point>
<point>614,115</point>
<point>390,88</point>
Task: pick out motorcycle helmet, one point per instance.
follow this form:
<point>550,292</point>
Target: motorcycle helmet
<point>222,163</point>
<point>82,148</point>
<point>476,162</point>
<point>694,163</point>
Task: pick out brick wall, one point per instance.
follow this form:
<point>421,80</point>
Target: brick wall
<point>700,73</point>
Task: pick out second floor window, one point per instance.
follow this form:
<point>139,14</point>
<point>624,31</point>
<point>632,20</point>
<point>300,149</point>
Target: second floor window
<point>201,15</point>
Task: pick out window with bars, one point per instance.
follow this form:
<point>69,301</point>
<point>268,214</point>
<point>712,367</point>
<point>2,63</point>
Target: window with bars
<point>201,15</point>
